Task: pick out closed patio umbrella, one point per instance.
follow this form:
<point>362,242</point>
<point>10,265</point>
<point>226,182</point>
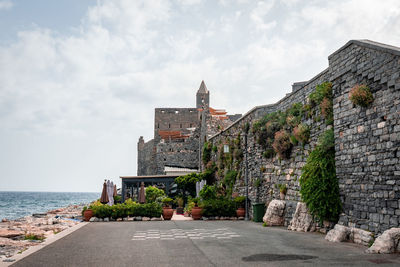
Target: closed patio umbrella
<point>104,196</point>
<point>115,190</point>
<point>142,196</point>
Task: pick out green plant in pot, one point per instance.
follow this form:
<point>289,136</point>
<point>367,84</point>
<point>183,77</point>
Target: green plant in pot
<point>87,213</point>
<point>240,200</point>
<point>168,212</point>
<point>179,201</point>
<point>196,210</point>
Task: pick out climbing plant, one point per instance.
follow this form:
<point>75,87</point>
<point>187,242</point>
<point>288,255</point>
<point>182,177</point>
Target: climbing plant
<point>319,185</point>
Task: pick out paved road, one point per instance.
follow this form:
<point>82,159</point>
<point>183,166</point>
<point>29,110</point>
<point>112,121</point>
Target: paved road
<point>198,243</point>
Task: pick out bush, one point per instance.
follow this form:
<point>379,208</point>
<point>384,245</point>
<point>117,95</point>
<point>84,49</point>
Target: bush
<point>282,144</point>
<point>302,133</point>
<point>219,207</point>
<point>326,108</point>
<point>206,155</point>
<point>208,192</point>
<point>319,185</point>
<point>167,201</point>
<point>240,201</point>
<point>152,193</point>
<point>188,182</point>
<point>321,91</point>
<point>129,208</point>
<point>361,95</point>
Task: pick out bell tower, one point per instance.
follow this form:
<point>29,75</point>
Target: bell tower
<point>202,97</point>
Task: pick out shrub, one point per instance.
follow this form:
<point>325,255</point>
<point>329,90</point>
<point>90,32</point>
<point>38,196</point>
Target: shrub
<point>167,201</point>
<point>31,236</point>
<point>326,108</point>
<point>361,95</point>
<point>282,145</point>
<point>282,188</point>
<point>269,153</point>
<point>302,133</point>
<point>321,91</point>
<point>219,207</point>
<point>229,181</point>
<point>188,182</point>
<point>240,201</point>
<point>152,193</point>
<point>208,192</point>
<point>179,201</point>
<point>319,185</point>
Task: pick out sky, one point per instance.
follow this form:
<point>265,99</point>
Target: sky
<point>79,79</point>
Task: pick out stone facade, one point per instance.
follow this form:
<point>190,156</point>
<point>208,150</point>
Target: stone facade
<point>367,140</point>
<point>179,135</point>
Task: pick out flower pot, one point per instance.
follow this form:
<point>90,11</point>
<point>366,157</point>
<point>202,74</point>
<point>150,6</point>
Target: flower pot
<point>282,196</point>
<point>240,212</point>
<point>167,213</point>
<point>87,214</point>
<point>196,213</point>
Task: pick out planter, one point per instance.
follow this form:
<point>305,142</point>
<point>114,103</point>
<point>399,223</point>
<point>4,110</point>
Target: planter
<point>179,210</point>
<point>87,214</point>
<point>240,212</point>
<point>196,213</point>
<point>167,213</point>
<point>282,196</point>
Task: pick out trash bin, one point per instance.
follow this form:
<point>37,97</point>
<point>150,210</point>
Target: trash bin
<point>258,212</point>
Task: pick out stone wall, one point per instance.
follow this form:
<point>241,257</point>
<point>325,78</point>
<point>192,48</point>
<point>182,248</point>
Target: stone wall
<point>367,141</point>
<point>145,159</point>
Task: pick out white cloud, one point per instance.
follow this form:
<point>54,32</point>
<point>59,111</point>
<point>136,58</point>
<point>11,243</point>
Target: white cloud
<point>6,4</point>
<point>259,13</point>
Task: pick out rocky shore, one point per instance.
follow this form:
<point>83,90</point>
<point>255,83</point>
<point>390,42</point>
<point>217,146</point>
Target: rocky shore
<point>18,235</point>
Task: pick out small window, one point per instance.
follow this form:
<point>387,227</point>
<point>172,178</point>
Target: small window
<point>190,125</point>
<point>181,125</point>
<point>158,125</point>
<point>162,111</point>
<point>176,111</point>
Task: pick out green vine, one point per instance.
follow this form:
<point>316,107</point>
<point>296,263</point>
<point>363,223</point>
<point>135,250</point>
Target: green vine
<point>319,185</point>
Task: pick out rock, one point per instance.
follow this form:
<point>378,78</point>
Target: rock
<point>7,233</point>
<point>360,236</point>
<point>240,218</point>
<point>205,218</point>
<point>302,220</point>
<point>138,218</point>
<point>119,220</point>
<point>94,219</point>
<point>145,219</point>
<point>274,216</point>
<point>388,242</point>
<point>338,234</point>
<point>101,220</point>
<point>125,219</point>
<point>155,219</point>
<point>106,219</point>
<point>130,219</point>
<point>4,220</point>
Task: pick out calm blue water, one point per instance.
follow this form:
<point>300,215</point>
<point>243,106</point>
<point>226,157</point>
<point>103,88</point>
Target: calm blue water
<point>15,205</point>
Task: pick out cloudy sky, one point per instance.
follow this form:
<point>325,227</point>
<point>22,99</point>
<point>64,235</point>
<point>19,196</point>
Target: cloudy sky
<point>79,79</point>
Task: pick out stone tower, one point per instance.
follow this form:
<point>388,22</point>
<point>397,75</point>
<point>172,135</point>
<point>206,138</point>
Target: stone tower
<point>202,97</point>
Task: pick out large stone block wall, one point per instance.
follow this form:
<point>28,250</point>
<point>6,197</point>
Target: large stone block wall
<point>367,140</point>
<point>175,119</point>
<point>146,157</point>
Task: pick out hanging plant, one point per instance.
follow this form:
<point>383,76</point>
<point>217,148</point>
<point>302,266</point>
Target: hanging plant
<point>361,95</point>
<point>282,144</point>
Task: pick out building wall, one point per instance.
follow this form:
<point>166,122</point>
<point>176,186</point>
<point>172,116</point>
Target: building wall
<point>367,140</point>
<point>146,157</point>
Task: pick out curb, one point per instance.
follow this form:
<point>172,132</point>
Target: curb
<point>47,241</point>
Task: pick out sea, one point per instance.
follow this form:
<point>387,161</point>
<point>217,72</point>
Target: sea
<point>14,205</point>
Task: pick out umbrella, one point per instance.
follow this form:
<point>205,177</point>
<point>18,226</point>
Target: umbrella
<point>110,192</point>
<point>115,190</point>
<point>142,197</point>
<point>104,196</point>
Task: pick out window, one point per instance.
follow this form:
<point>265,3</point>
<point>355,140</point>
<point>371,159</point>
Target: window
<point>181,125</point>
<point>169,125</point>
<point>190,125</point>
<point>158,125</point>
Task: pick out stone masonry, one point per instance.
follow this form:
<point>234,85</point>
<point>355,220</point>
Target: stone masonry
<point>367,140</point>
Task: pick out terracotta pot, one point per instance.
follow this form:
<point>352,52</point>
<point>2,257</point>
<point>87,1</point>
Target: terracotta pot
<point>167,213</point>
<point>196,213</point>
<point>240,212</point>
<point>282,196</point>
<point>87,214</point>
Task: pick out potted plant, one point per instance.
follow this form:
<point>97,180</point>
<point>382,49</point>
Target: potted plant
<point>196,210</point>
<point>179,209</point>
<point>282,191</point>
<point>240,212</point>
<point>167,209</point>
<point>87,213</point>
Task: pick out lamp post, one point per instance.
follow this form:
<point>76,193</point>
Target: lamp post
<point>246,181</point>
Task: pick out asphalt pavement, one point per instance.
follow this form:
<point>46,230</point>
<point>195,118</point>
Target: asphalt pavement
<point>199,243</point>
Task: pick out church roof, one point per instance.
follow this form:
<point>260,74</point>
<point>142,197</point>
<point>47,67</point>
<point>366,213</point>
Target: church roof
<point>203,88</point>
